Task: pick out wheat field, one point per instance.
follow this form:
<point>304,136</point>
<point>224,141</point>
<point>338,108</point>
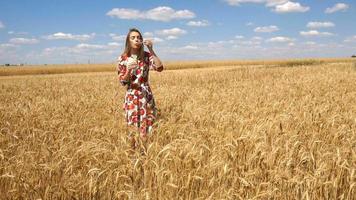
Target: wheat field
<point>229,132</point>
<point>170,65</point>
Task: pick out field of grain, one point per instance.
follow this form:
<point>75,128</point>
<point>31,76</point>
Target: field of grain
<point>169,65</point>
<point>231,132</point>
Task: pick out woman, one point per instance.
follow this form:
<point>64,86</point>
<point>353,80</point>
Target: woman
<point>133,70</point>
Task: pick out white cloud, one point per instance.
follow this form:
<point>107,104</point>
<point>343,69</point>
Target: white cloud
<point>161,13</point>
<point>213,50</point>
<point>267,2</point>
<point>7,45</point>
<point>167,14</point>
<point>50,50</point>
<point>280,6</point>
<point>117,37</point>
<point>290,7</point>
<point>198,23</point>
<point>256,38</point>
<point>272,3</point>
<point>249,43</point>
<point>148,34</point>
<point>125,13</point>
<point>114,44</point>
<point>189,47</point>
<point>81,49</point>
<point>266,29</point>
<point>69,36</point>
<point>249,24</point>
<point>310,43</point>
<point>81,53</point>
<point>171,37</point>
<point>217,44</point>
<point>350,39</point>
<point>280,39</point>
<point>238,2</point>
<point>156,39</point>
<point>89,46</point>
<point>171,32</point>
<point>16,33</point>
<point>254,41</point>
<point>320,24</point>
<point>2,25</point>
<point>23,41</point>
<point>315,33</point>
<point>9,54</point>
<point>337,7</point>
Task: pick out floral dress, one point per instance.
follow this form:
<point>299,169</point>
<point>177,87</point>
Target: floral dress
<point>139,104</point>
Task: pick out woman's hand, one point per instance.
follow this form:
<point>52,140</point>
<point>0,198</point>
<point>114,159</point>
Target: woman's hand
<point>131,63</point>
<point>131,66</point>
<point>148,43</point>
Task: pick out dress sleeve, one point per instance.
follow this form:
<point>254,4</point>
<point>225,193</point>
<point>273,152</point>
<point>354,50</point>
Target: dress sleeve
<point>121,70</point>
<point>152,64</point>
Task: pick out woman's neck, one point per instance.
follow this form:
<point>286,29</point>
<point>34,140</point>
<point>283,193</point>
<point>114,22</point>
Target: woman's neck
<point>134,51</point>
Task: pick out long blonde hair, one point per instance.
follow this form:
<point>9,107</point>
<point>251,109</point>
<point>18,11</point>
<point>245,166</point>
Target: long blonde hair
<point>127,51</point>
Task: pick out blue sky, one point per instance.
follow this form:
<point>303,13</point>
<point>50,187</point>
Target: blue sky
<point>81,31</point>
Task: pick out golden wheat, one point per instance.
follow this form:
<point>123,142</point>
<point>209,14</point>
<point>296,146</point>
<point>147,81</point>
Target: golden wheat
<point>169,65</point>
<point>247,132</point>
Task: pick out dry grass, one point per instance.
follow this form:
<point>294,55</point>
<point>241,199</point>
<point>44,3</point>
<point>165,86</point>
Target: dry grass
<point>229,133</point>
<point>172,65</point>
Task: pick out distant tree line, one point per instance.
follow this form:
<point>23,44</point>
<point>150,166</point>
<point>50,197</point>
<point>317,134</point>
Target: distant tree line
<point>8,64</point>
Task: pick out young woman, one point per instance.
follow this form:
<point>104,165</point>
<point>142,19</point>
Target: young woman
<point>133,69</point>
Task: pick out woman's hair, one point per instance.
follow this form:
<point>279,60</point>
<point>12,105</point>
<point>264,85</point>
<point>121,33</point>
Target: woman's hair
<point>127,51</point>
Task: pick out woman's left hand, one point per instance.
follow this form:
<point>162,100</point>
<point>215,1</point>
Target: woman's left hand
<point>148,43</point>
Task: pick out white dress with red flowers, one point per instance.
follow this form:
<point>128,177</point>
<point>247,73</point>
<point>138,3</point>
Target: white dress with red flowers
<point>139,104</point>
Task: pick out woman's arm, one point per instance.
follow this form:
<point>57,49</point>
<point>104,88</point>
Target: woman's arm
<point>124,71</point>
<point>157,62</point>
<point>126,75</point>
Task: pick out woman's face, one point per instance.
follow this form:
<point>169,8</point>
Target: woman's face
<point>135,40</point>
